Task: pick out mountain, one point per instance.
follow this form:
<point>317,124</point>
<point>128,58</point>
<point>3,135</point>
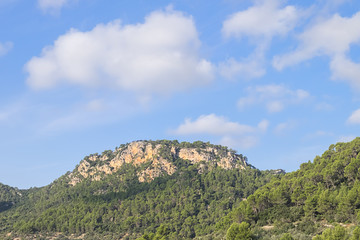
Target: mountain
<point>169,190</point>
<point>321,199</point>
<point>148,189</point>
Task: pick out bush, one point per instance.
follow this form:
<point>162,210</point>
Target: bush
<point>239,231</point>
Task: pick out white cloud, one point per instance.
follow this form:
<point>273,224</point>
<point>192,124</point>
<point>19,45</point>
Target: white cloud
<point>354,117</point>
<point>315,40</point>
<point>53,6</point>
<point>274,97</point>
<point>344,69</point>
<point>214,125</point>
<point>266,20</point>
<point>5,47</point>
<point>332,37</point>
<point>157,56</point>
<point>246,69</point>
<point>241,135</point>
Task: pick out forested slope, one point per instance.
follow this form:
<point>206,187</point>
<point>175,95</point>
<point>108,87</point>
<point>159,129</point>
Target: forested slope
<point>8,196</point>
<point>185,204</point>
<point>145,190</point>
<point>319,195</point>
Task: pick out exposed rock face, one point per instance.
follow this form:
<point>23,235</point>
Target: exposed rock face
<point>229,161</point>
<point>155,158</point>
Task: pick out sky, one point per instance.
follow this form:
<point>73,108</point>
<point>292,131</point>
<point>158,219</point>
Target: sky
<point>278,81</point>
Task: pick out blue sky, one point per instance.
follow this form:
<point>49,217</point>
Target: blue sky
<point>278,81</point>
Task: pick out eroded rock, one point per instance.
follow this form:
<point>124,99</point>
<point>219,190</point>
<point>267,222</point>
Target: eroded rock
<point>159,158</point>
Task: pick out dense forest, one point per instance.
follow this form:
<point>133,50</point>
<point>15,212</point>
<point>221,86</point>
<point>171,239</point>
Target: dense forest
<point>310,201</point>
<point>321,200</point>
<point>185,205</point>
<point>8,196</point>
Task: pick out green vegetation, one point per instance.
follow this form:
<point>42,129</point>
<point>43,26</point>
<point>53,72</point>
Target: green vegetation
<point>321,200</point>
<point>308,201</point>
<point>189,203</point>
<point>184,205</point>
<point>239,231</point>
<point>8,196</point>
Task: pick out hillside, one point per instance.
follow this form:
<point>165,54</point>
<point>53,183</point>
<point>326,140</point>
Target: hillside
<point>310,201</point>
<point>178,190</point>
<point>169,190</point>
<point>8,196</point>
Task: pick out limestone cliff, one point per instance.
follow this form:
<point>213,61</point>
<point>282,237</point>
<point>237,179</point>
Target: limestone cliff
<point>156,158</point>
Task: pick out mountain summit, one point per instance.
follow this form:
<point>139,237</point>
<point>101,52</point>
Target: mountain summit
<point>156,158</point>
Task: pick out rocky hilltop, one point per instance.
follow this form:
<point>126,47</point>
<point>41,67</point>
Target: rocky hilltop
<point>156,158</point>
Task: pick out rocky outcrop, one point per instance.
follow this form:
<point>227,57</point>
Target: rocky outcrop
<point>154,159</point>
<point>227,161</point>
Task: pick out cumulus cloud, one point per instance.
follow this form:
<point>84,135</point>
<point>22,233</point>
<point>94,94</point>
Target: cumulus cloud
<point>344,69</point>
<point>330,37</point>
<point>354,117</point>
<point>5,47</point>
<point>216,125</point>
<point>157,56</point>
<point>274,97</point>
<point>260,23</point>
<point>232,134</point>
<point>265,20</point>
<point>53,6</point>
